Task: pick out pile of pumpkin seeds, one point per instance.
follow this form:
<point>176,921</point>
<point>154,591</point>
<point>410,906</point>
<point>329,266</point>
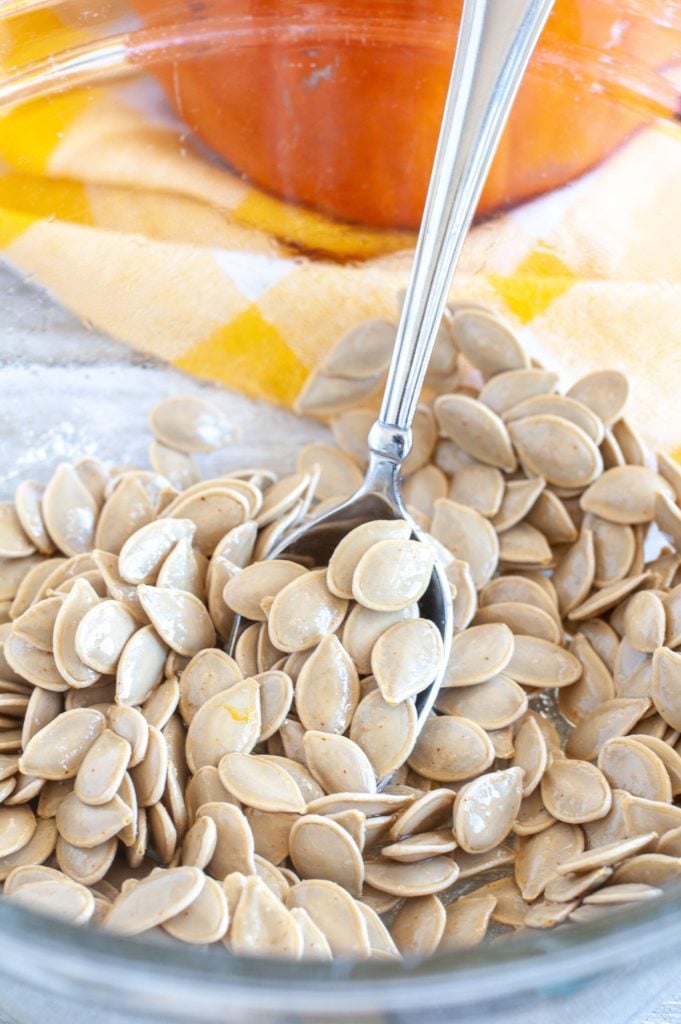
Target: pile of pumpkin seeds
<point>151,783</point>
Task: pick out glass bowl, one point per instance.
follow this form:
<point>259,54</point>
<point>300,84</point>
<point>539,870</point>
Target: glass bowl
<point>70,387</point>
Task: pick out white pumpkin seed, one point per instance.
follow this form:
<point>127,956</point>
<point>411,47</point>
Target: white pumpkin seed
<point>451,749</point>
<point>86,826</point>
<point>468,536</point>
<point>227,722</point>
<point>479,653</point>
<point>485,809</point>
<point>476,430</point>
<point>190,424</point>
<point>406,659</point>
<point>303,612</point>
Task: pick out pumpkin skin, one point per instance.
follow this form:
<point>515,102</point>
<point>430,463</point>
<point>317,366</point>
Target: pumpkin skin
<point>336,104</point>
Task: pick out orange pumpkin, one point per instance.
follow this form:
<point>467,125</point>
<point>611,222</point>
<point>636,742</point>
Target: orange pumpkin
<point>336,103</point>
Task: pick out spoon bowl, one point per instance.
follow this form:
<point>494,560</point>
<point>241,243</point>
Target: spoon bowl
<point>379,497</point>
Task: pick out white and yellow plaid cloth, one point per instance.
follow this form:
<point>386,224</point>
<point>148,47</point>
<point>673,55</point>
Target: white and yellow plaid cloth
<point>127,226</point>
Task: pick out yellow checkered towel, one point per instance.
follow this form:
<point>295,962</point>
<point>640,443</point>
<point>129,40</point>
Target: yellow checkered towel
<point>105,204</point>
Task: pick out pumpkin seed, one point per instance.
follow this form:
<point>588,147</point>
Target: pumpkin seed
<point>184,569</point>
<point>451,749</point>
<point>566,888</point>
<point>630,765</point>
<point>510,908</point>
<point>315,944</point>
<point>420,847</point>
<point>28,510</point>
<point>271,833</point>
<point>85,866</point>
<point>245,591</point>
<point>540,856</point>
<point>648,869</point>
<point>670,758</point>
<point>485,809</point>
<point>160,706</point>
<point>58,749</point>
<point>178,467</point>
<point>418,927</point>
<point>205,787</point>
<point>557,450</point>
<point>652,815</point>
<point>487,342</point>
<point>327,688</point>
<point>36,624</point>
<point>563,407</point>
<point>321,848</point>
<point>665,690</point>
<point>605,856</point>
<point>86,826</point>
<point>428,811</point>
<point>508,389</point>
<point>575,791</point>
<point>102,769</point>
<point>392,574</point>
<point>199,843</point>
<point>479,653</point>
<point>612,718</point>
<point>102,634</point>
<point>20,579</point>
<point>38,848</point>
<point>180,619</point>
<point>69,511</point>
<point>363,351</point>
<point>417,879</point>
<point>536,662</point>
<point>492,705</point>
<point>670,842</point>
<point>605,392</point>
<point>338,764</point>
<point>519,497</point>
<point>363,627</point>
<point>260,783</point>
<point>406,658</point>
<point>303,612</point>
<point>125,511</point>
<point>61,898</point>
<point>464,596</point>
<point>337,472</point>
<point>476,430</point>
<point>550,516</point>
<point>385,732</point>
<point>625,494</point>
<point>140,667</point>
<point>149,776</point>
<point>423,440</point>
<point>228,721</point>
<point>74,607</point>
<point>145,551</point>
<point>335,913</point>
<point>594,686</point>
<point>234,850</point>
<point>17,825</point>
<point>468,536</point>
<point>467,920</point>
<point>624,893</point>
<point>155,899</point>
<point>574,576</point>
<point>522,619</point>
<point>190,424</point>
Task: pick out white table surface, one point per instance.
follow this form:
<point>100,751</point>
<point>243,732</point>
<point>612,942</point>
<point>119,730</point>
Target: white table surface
<point>43,343</point>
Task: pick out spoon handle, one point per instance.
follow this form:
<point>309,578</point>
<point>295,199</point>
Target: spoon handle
<point>496,39</point>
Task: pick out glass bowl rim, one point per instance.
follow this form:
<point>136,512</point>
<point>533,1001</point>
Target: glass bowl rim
<point>145,970</point>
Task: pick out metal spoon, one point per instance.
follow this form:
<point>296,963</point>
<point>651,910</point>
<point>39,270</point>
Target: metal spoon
<point>496,39</point>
